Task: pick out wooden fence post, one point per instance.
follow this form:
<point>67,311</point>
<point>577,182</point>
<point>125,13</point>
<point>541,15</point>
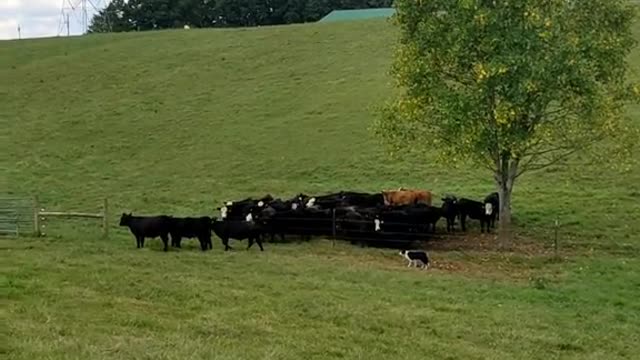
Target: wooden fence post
<point>555,239</point>
<point>105,219</point>
<point>36,216</point>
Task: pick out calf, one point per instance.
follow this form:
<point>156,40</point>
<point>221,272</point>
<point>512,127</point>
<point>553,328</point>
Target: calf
<point>492,208</point>
<point>450,211</point>
<point>474,210</point>
<point>238,230</point>
<point>147,226</point>
<point>191,228</point>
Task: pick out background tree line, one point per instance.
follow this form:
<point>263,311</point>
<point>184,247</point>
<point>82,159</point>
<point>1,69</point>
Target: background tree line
<point>130,15</point>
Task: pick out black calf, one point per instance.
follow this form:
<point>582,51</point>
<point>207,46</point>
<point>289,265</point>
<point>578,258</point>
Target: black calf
<point>474,210</point>
<point>191,228</point>
<point>238,230</point>
<point>147,226</point>
<point>492,211</point>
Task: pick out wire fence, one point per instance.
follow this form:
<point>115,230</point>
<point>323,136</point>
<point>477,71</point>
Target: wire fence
<point>360,230</point>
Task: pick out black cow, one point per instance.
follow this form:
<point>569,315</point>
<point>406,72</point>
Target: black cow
<point>378,227</point>
<point>409,219</point>
<point>238,230</point>
<point>343,199</point>
<point>492,208</point>
<point>329,201</point>
<point>148,226</point>
<point>363,200</point>
<point>265,217</point>
<point>356,225</point>
<point>191,228</point>
<point>304,222</point>
<point>474,210</point>
<point>238,210</point>
<point>450,211</point>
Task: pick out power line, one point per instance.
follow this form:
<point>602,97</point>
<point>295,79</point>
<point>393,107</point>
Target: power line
<point>79,11</point>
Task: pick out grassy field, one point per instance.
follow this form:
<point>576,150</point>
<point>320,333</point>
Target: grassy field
<point>178,121</point>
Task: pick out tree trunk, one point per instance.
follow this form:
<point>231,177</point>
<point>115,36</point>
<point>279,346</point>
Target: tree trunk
<point>505,178</point>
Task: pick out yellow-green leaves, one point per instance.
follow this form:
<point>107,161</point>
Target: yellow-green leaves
<point>518,77</point>
<point>480,72</point>
<point>504,113</point>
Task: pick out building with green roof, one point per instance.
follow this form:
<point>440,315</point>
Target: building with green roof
<point>359,14</point>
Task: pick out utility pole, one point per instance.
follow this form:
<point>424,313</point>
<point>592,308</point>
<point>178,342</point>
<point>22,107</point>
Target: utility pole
<point>84,16</point>
<point>19,34</point>
<point>67,23</point>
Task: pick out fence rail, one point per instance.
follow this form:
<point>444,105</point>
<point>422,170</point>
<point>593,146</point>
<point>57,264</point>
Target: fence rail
<point>40,216</point>
<point>24,215</point>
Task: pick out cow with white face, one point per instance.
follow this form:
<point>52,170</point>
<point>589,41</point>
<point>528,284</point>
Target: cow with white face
<point>238,210</point>
<point>311,202</point>
<point>376,224</point>
<point>492,208</point>
<point>223,212</point>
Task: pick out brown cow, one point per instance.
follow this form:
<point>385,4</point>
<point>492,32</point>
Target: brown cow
<point>406,197</point>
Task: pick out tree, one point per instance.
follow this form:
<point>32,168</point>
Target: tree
<point>129,15</point>
<point>511,85</point>
<point>113,18</point>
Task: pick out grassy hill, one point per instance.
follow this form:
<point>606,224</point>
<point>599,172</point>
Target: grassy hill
<point>178,121</point>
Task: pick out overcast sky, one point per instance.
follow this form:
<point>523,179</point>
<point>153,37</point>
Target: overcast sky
<point>41,18</point>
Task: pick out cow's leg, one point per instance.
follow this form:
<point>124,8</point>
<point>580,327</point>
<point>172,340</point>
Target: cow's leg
<point>260,244</point>
<point>250,242</point>
<point>138,242</point>
<point>225,242</point>
<point>463,220</point>
<point>165,241</point>
<point>141,241</point>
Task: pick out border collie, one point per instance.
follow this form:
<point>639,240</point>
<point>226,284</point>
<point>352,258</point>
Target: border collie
<point>416,257</point>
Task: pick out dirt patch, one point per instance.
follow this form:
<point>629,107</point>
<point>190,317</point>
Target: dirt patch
<point>481,256</point>
<point>488,243</point>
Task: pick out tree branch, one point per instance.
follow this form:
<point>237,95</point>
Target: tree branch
<point>532,165</point>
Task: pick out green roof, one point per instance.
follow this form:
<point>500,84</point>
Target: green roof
<point>344,15</point>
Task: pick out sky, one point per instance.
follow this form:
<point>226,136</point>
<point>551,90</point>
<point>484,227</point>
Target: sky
<point>42,18</point>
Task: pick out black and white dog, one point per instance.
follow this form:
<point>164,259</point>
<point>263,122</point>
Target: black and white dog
<point>416,257</point>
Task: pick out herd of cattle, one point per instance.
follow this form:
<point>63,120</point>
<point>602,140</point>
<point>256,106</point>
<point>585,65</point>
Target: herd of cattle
<point>391,218</point>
